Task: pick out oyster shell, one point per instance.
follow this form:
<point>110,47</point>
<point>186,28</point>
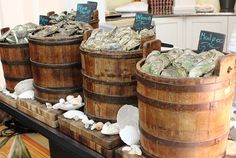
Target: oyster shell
<point>110,129</point>
<point>202,68</point>
<point>71,114</point>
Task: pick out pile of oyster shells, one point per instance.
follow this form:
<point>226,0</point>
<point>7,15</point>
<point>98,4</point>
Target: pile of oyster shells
<point>19,34</point>
<point>63,16</point>
<point>61,29</point>
<point>178,63</point>
<point>119,39</point>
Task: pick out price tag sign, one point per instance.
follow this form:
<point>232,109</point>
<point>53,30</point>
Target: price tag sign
<point>84,12</point>
<point>43,20</point>
<point>211,40</point>
<point>142,21</point>
<point>93,5</point>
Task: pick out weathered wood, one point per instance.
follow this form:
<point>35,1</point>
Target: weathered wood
<point>8,100</point>
<point>185,118</point>
<point>108,81</point>
<point>15,63</point>
<point>56,67</point>
<point>39,112</point>
<point>105,145</point>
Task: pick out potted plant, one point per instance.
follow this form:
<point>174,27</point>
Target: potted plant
<point>227,5</point>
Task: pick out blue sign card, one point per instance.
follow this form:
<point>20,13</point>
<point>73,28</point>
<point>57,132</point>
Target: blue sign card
<point>84,12</point>
<point>142,21</point>
<point>93,5</point>
<point>43,20</point>
<point>211,40</point>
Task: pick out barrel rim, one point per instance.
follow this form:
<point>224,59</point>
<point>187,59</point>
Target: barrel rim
<point>174,81</point>
<point>9,45</point>
<point>53,40</point>
<point>111,54</point>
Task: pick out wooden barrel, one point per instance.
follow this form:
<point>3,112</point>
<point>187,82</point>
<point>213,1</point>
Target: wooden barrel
<point>56,67</point>
<point>15,62</point>
<point>108,81</point>
<point>185,118</point>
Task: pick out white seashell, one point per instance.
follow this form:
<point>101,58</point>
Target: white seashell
<point>126,148</point>
<point>69,97</point>
<point>135,150</point>
<point>128,115</point>
<point>76,101</point>
<point>62,101</point>
<point>48,105</point>
<point>67,106</point>
<point>29,94</point>
<point>91,122</point>
<point>93,127</point>
<point>110,129</point>
<point>232,124</point>
<point>13,95</point>
<point>6,92</point>
<point>23,86</point>
<point>2,87</point>
<point>73,113</point>
<point>130,135</point>
<point>86,125</point>
<point>57,106</point>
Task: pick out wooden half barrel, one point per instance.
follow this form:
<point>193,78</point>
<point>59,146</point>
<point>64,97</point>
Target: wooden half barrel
<point>188,117</point>
<point>16,63</point>
<point>108,81</point>
<point>56,67</point>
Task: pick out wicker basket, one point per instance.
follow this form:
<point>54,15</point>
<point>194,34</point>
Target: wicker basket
<point>160,7</point>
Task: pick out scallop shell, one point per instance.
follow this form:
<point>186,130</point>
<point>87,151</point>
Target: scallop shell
<point>67,106</point>
<point>130,135</point>
<point>2,87</point>
<point>128,115</point>
<point>135,149</point>
<point>23,86</point>
<point>73,113</point>
<point>27,95</point>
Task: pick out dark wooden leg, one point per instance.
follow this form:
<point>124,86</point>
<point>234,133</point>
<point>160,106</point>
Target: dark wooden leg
<point>58,152</point>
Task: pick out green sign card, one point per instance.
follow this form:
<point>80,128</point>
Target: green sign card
<point>43,20</point>
<point>211,40</point>
<point>84,12</point>
<point>93,5</point>
<point>142,21</point>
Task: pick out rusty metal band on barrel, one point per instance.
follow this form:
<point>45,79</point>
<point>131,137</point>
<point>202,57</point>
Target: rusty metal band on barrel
<point>96,118</point>
<point>56,43</point>
<point>183,88</point>
<point>105,82</point>
<point>182,144</point>
<point>74,64</point>
<point>16,78</point>
<point>110,99</point>
<point>24,62</point>
<point>148,155</point>
<point>5,45</point>
<point>58,90</point>
<point>182,107</point>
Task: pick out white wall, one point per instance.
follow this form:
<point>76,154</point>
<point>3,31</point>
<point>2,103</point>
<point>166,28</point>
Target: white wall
<point>15,12</point>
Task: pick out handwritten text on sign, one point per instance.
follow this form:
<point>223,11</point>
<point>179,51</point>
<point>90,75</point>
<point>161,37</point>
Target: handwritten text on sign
<point>43,20</point>
<point>211,40</point>
<point>84,12</point>
<point>142,21</point>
